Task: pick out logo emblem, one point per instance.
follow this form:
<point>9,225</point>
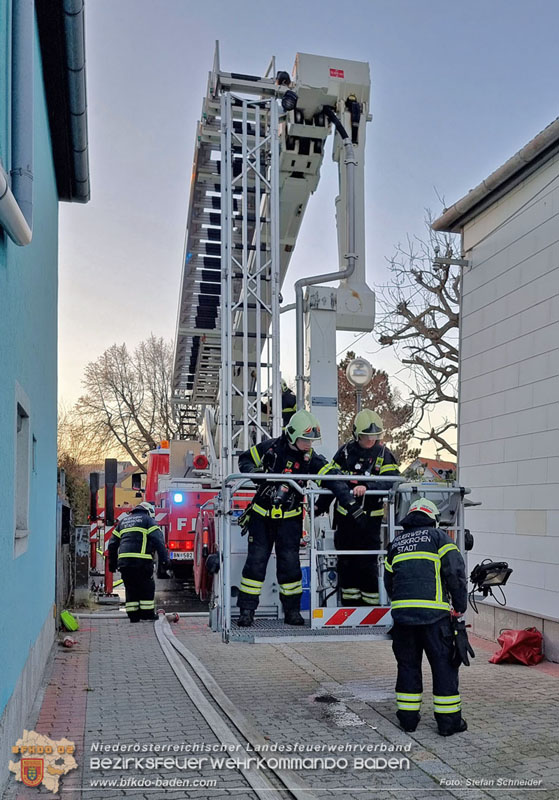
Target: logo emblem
<point>32,771</point>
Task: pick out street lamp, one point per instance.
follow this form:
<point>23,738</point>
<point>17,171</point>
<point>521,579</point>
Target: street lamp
<point>359,373</point>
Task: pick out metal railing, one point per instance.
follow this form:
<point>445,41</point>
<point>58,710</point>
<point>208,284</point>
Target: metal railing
<point>234,482</point>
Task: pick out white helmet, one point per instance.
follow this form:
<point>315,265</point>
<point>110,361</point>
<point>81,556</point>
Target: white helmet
<point>426,507</point>
<point>149,507</point>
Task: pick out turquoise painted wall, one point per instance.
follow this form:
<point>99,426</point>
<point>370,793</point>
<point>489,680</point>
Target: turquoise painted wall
<point>28,355</point>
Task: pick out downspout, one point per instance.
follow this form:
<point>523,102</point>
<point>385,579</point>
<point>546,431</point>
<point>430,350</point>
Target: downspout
<point>23,26</point>
<point>350,164</point>
<point>11,218</point>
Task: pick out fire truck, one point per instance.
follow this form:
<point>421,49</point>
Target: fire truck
<point>178,495</point>
<point>260,145</point>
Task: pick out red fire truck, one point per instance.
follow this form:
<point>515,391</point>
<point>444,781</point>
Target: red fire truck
<point>178,484</point>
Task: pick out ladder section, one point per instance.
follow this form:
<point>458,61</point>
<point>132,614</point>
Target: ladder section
<point>250,280</point>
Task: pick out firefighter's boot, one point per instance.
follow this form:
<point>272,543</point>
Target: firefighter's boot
<point>450,730</point>
<point>409,720</point>
<point>246,618</point>
<point>293,617</point>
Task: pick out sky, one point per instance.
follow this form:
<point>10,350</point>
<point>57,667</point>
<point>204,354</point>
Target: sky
<point>457,88</point>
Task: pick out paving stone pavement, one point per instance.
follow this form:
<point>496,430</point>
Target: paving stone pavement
<point>333,700</point>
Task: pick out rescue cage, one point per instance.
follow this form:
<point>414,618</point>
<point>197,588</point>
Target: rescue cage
<point>325,618</point>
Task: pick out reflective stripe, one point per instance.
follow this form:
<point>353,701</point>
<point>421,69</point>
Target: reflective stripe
<point>408,702</point>
<point>322,471</point>
<point>388,566</point>
<point>446,548</point>
<point>135,555</point>
<point>403,706</point>
<point>255,455</point>
<point>420,604</point>
<point>265,512</point>
<point>388,468</point>
<point>260,510</point>
<point>447,709</point>
<point>132,605</point>
<point>438,584</point>
<point>146,604</point>
<point>341,510</point>
<point>291,585</point>
<point>370,598</point>
<point>419,554</point>
<point>450,699</point>
<point>117,534</point>
<point>288,408</point>
<point>251,582</point>
<point>291,588</point>
<point>153,528</point>
<point>133,530</point>
<point>249,589</point>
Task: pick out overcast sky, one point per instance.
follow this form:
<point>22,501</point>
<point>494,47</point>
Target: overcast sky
<point>457,88</point>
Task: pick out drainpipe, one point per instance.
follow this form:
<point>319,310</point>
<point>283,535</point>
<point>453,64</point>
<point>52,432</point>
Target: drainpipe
<point>350,164</point>
<point>23,26</point>
<point>11,218</point>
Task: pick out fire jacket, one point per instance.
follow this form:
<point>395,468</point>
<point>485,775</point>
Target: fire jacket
<point>423,572</point>
<point>135,539</point>
<point>276,455</point>
<point>351,459</point>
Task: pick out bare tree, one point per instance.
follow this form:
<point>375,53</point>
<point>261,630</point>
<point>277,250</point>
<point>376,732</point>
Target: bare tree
<point>380,397</point>
<point>420,318</point>
<point>74,441</point>
<point>127,405</point>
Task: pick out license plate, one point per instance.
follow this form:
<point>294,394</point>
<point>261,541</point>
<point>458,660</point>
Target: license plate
<point>188,556</point>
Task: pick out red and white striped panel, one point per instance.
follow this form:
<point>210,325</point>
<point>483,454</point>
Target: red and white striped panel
<point>362,616</point>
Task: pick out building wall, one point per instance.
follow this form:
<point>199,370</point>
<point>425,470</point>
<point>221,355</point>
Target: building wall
<point>509,390</point>
<point>28,367</point>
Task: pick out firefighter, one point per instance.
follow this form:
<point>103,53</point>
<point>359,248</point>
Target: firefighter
<point>288,404</point>
<point>363,455</point>
<point>424,571</point>
<point>275,516</point>
<point>131,547</point>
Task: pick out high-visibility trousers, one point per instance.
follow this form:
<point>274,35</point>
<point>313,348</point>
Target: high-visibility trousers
<point>139,588</point>
<point>263,534</point>
<point>357,575</point>
<point>409,642</point>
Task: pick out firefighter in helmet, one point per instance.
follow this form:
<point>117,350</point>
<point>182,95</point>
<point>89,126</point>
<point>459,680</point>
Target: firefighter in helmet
<point>424,574</point>
<point>363,455</point>
<point>288,404</point>
<point>131,548</point>
<point>275,516</point>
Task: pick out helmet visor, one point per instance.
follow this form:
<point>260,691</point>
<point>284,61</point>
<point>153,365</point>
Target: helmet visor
<point>310,433</point>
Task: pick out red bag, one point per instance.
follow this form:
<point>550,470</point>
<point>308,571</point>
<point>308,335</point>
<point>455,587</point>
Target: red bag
<point>519,647</point>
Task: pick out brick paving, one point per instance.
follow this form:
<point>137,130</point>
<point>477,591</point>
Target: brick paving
<point>115,687</point>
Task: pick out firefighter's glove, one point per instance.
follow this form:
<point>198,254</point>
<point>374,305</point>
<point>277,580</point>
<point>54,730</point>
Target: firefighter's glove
<point>212,563</point>
<point>112,566</point>
<point>462,647</point>
<point>243,521</point>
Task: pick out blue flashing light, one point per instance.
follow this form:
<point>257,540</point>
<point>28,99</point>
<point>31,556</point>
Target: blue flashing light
<point>178,497</point>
